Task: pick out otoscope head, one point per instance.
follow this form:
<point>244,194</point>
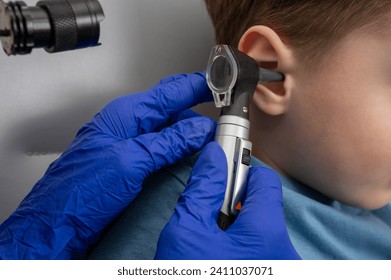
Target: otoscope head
<point>233,76</point>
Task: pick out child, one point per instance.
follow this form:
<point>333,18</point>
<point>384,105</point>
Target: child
<point>325,129</point>
<point>327,126</point>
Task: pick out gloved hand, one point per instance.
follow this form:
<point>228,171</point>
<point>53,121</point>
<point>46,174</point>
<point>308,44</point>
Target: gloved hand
<point>259,231</point>
<point>103,169</point>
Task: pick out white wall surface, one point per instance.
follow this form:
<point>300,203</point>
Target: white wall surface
<point>45,98</point>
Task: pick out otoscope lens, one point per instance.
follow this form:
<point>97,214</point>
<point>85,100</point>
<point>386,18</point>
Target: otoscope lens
<point>56,25</point>
<point>221,73</point>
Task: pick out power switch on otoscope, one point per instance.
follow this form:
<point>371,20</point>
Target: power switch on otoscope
<point>246,156</point>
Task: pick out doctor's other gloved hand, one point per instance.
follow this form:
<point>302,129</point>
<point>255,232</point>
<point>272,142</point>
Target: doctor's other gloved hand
<point>103,169</point>
<point>259,232</point>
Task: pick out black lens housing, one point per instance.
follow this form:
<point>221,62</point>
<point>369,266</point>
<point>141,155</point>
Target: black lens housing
<point>56,25</point>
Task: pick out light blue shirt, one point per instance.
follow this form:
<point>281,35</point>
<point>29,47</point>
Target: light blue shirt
<point>319,227</point>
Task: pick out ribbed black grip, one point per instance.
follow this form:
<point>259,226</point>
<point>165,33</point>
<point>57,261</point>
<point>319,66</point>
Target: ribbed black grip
<point>63,21</point>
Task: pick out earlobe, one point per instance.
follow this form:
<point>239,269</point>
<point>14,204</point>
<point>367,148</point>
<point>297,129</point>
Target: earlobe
<point>266,47</point>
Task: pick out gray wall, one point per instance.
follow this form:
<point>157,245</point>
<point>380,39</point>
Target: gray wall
<point>45,98</point>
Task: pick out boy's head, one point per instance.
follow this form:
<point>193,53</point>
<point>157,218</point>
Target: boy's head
<point>328,124</point>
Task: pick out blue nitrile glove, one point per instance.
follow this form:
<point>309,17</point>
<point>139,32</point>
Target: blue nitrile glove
<point>103,169</point>
<point>259,231</point>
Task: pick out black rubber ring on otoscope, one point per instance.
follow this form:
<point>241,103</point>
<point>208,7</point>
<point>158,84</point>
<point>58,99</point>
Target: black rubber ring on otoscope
<point>63,21</point>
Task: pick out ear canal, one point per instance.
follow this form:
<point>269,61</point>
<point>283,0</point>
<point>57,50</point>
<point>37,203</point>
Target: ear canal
<point>270,65</point>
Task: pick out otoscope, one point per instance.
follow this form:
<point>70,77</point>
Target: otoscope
<point>232,76</point>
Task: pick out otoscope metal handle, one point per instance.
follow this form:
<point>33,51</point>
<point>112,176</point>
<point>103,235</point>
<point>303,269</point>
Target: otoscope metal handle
<point>232,134</point>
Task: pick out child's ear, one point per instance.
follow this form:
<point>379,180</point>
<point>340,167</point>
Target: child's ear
<point>266,47</point>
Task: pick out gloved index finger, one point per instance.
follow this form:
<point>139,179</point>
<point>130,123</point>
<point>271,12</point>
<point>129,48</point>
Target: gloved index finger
<point>181,92</point>
<point>132,115</point>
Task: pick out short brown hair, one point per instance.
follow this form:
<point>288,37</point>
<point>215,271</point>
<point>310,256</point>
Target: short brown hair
<point>310,26</point>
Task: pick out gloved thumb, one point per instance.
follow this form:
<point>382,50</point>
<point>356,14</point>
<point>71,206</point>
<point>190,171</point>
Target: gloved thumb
<point>204,194</point>
<point>263,206</point>
<point>197,209</point>
<point>262,215</point>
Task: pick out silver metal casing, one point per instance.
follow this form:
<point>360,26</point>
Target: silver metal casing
<point>232,134</point>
